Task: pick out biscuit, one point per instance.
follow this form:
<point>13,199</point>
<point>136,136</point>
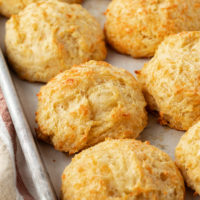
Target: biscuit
<point>136,27</point>
<point>11,7</point>
<point>122,169</point>
<point>82,106</point>
<point>171,80</point>
<point>49,37</point>
<point>188,157</point>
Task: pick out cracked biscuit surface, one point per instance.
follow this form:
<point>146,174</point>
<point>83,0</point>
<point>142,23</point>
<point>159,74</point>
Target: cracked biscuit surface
<point>171,80</point>
<point>88,103</point>
<point>136,27</point>
<point>11,7</point>
<point>125,169</point>
<point>49,37</point>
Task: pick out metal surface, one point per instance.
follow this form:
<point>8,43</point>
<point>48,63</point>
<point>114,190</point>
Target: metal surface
<point>34,162</point>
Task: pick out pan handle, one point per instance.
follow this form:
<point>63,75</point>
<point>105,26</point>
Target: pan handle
<point>39,176</point>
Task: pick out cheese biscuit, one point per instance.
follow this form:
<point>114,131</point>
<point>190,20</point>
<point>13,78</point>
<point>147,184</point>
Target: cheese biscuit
<point>122,170</point>
<point>137,27</point>
<point>49,37</point>
<point>88,103</point>
<point>188,157</point>
<point>171,80</point>
<point>12,7</point>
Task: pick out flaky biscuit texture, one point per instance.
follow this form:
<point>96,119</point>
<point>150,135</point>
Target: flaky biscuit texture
<point>136,27</point>
<point>12,7</point>
<point>49,37</point>
<point>171,80</point>
<point>82,106</point>
<point>188,157</point>
<point>122,170</point>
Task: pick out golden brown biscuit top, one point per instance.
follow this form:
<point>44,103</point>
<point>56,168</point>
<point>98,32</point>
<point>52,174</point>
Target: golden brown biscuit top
<point>82,106</point>
<point>171,80</point>
<point>122,169</point>
<point>137,27</point>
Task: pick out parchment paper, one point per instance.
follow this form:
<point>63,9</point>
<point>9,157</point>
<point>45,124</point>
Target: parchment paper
<point>55,162</point>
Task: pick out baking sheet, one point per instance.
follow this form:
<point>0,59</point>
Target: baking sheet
<point>55,162</point>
